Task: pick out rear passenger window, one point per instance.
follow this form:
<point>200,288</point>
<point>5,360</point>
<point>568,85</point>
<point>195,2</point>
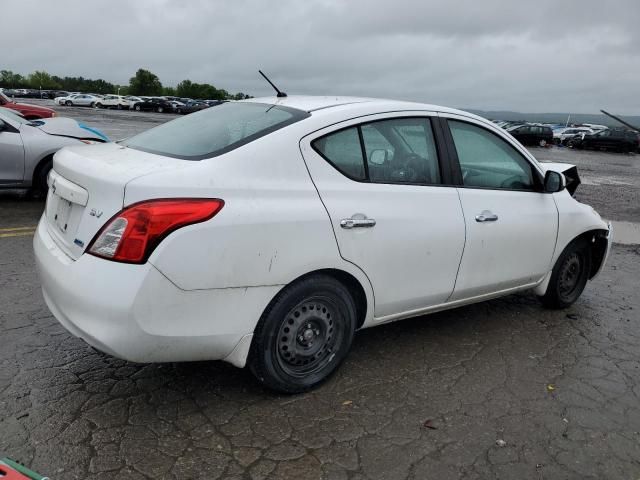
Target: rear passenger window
<point>400,150</point>
<point>342,149</point>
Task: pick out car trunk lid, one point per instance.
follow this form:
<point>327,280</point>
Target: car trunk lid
<point>87,187</point>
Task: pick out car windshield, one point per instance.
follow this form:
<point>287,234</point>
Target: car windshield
<point>11,115</point>
<point>214,131</point>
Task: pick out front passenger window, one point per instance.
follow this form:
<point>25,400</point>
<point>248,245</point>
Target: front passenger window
<point>488,161</point>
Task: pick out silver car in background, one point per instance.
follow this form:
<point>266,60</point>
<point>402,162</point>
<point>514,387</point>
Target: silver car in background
<point>27,147</point>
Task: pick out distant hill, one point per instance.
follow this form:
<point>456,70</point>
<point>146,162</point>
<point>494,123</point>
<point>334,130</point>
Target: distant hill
<point>557,117</point>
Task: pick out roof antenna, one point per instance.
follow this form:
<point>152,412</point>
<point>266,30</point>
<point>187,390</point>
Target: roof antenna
<point>280,94</point>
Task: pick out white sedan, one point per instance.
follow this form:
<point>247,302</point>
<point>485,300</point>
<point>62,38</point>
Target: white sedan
<point>78,99</point>
<point>266,232</point>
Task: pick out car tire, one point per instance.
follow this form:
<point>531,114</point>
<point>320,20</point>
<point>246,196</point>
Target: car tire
<point>98,105</point>
<point>68,103</point>
<point>542,143</point>
<point>569,276</point>
<point>39,185</point>
<point>160,110</point>
<point>303,335</point>
<point>137,108</point>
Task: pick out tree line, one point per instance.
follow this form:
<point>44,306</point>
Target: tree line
<point>144,82</point>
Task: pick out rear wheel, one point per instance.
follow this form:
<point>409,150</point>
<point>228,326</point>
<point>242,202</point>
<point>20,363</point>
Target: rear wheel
<point>98,105</point>
<point>160,110</point>
<point>569,276</point>
<point>68,103</point>
<point>303,335</point>
<point>137,108</point>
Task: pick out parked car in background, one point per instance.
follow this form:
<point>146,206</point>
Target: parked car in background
<point>559,136</point>
<point>618,140</point>
<point>53,94</point>
<point>532,134</point>
<point>193,106</point>
<point>131,100</point>
<point>154,104</point>
<point>112,101</point>
<point>198,253</point>
<point>29,111</point>
<point>177,105</point>
<point>27,147</point>
<point>78,99</point>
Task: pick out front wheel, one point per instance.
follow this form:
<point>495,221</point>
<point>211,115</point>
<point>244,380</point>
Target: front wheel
<point>160,110</point>
<point>569,276</point>
<point>39,186</point>
<point>137,108</point>
<point>542,143</point>
<point>303,335</point>
<point>68,103</point>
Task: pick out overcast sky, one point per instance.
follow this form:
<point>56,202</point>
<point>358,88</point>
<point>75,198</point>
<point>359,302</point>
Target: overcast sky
<point>533,56</point>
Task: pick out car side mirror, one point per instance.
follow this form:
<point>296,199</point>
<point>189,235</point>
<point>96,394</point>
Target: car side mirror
<point>378,157</point>
<point>554,182</point>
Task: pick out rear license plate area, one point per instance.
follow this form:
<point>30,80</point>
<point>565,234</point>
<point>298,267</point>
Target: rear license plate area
<point>62,214</point>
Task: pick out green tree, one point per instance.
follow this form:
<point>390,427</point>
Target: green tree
<point>145,82</point>
<point>41,79</point>
<point>8,79</point>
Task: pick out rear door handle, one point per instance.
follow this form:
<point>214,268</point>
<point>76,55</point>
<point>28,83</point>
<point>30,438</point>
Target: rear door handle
<point>486,216</point>
<point>358,220</point>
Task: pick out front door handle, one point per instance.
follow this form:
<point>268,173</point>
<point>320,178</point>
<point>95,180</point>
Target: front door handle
<point>358,220</point>
<point>486,216</point>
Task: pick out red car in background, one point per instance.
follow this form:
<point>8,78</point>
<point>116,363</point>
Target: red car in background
<point>29,112</point>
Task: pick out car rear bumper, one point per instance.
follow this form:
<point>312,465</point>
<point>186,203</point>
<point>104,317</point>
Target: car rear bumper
<point>135,313</point>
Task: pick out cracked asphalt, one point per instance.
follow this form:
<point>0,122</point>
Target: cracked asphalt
<point>503,389</point>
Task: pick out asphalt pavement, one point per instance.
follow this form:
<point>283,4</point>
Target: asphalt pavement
<point>503,389</point>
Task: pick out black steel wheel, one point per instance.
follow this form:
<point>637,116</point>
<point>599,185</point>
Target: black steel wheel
<point>303,335</point>
<point>569,276</point>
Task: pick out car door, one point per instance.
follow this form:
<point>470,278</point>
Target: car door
<point>392,208</point>
<point>511,225</point>
<point>11,154</point>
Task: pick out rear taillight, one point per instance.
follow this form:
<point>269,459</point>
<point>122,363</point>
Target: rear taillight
<point>132,235</point>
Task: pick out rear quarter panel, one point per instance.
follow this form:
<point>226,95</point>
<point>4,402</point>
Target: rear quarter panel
<point>272,229</point>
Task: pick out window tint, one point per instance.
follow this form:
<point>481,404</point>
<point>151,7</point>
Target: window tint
<point>214,131</point>
<point>400,150</point>
<point>343,151</point>
<point>488,161</point>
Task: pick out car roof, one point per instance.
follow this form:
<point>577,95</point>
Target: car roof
<point>317,103</point>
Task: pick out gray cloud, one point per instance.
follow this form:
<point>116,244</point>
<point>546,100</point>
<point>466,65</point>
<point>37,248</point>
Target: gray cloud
<point>530,56</point>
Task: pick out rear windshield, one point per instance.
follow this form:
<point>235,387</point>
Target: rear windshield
<point>215,130</point>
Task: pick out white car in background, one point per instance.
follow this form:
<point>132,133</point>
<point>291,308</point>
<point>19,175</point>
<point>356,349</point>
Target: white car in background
<point>266,232</point>
<point>559,136</point>
<point>112,101</point>
<point>78,99</point>
<point>131,100</point>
